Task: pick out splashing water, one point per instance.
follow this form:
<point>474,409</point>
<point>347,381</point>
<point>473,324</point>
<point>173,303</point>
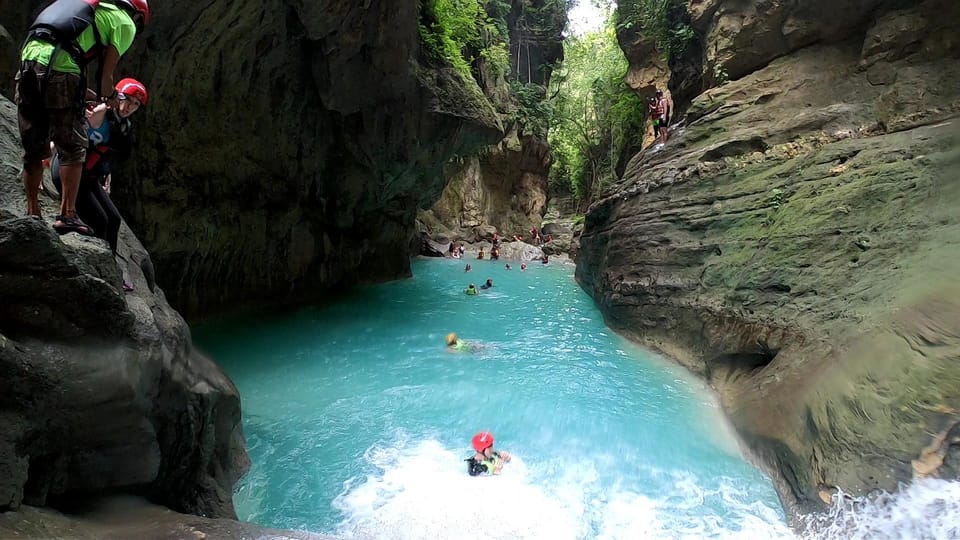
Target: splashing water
<point>358,419</point>
<point>927,508</point>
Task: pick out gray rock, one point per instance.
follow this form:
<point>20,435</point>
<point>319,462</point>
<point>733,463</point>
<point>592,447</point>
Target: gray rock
<point>101,390</point>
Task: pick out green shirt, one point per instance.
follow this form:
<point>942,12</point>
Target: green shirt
<point>115,26</point>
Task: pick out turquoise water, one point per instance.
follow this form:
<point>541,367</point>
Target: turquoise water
<point>358,419</point>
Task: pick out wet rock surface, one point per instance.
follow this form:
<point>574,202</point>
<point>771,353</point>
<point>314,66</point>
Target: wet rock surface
<point>795,243</point>
<point>123,518</point>
<point>101,389</point>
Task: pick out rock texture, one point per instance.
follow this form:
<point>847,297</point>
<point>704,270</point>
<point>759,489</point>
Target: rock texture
<point>123,518</point>
<point>101,390</point>
<point>797,244</point>
<point>503,189</point>
<point>288,146</point>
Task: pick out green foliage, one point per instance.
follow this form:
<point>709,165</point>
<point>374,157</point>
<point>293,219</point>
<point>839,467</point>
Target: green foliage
<point>596,116</point>
<point>776,198</point>
<point>659,21</point>
<point>455,29</point>
<point>498,57</point>
<point>720,74</point>
<point>534,111</point>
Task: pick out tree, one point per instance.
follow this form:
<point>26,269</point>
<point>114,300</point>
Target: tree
<point>596,116</point>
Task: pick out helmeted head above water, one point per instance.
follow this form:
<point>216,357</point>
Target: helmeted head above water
<point>481,441</point>
<point>451,339</point>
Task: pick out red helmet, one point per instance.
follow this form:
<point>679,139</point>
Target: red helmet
<point>136,6</point>
<point>132,88</point>
<point>482,441</point>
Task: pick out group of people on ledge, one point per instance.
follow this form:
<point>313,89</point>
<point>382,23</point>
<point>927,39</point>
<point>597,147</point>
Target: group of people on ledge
<point>82,129</point>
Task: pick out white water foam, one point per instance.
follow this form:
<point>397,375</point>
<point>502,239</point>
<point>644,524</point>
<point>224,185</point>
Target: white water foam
<point>925,509</point>
<point>423,491</point>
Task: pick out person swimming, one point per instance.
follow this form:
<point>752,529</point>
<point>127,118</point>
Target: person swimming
<point>488,284</point>
<point>486,460</point>
<point>456,344</point>
<point>471,290</point>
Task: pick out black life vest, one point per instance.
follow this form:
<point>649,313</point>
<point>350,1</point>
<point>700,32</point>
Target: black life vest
<point>62,22</point>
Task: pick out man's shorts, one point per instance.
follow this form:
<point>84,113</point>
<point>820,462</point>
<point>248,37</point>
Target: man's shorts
<point>55,115</point>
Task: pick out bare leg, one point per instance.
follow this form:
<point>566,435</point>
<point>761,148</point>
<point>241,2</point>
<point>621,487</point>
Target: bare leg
<point>70,180</point>
<point>32,176</point>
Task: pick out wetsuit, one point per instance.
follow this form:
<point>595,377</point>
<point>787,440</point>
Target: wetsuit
<point>477,467</point>
<point>94,205</point>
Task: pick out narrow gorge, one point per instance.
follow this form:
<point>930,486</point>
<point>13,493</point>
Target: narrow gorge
<point>795,243</point>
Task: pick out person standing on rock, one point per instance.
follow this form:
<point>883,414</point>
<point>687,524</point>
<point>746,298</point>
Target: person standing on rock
<point>51,89</point>
<point>653,111</point>
<point>108,132</point>
<point>663,108</point>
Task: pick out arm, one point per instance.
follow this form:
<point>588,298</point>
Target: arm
<point>106,184</point>
<point>111,56</point>
<point>95,117</point>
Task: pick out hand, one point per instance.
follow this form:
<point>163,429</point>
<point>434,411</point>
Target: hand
<point>504,455</point>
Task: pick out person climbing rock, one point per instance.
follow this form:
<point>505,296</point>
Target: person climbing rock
<point>51,90</point>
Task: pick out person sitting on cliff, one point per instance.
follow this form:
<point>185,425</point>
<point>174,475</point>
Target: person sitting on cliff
<point>480,255</point>
<point>452,249</point>
<point>496,240</point>
<point>461,250</point>
<point>471,290</point>
<point>486,460</point>
<point>488,284</point>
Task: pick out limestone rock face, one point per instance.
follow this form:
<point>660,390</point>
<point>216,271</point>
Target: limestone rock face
<point>744,36</point>
<point>101,390</point>
<point>288,145</point>
<point>504,188</point>
<point>796,245</point>
<point>648,70</point>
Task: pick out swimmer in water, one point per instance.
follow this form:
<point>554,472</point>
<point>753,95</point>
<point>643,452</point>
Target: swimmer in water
<point>486,460</point>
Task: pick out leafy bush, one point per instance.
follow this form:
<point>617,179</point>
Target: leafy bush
<point>451,29</point>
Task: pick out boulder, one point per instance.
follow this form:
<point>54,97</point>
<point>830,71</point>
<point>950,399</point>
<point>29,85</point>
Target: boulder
<point>101,389</point>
